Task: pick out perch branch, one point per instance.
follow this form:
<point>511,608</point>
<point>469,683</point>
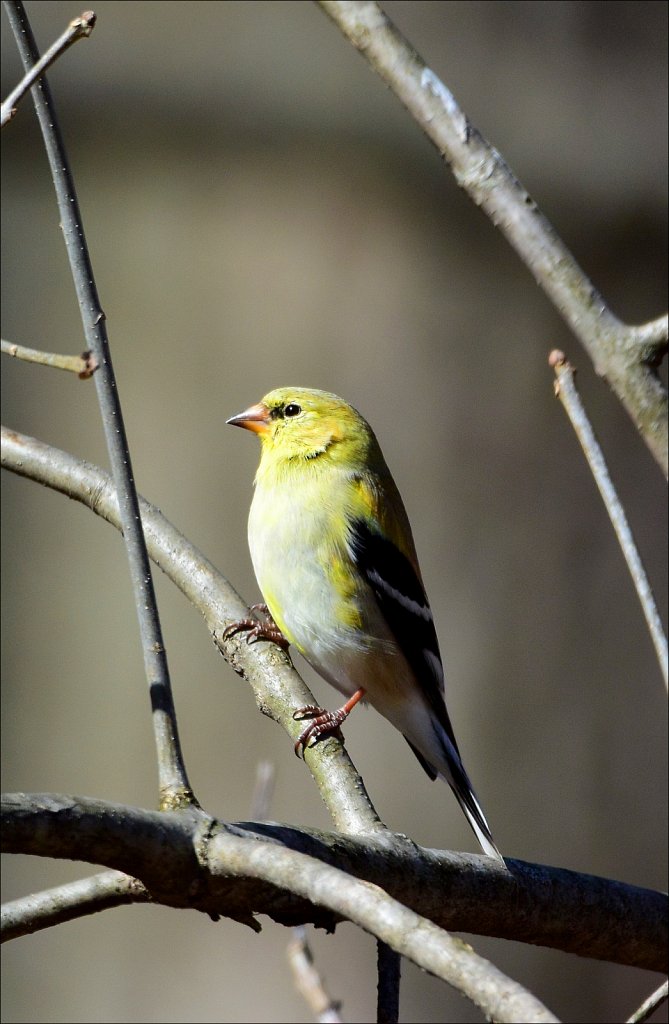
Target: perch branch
<point>176,856</point>
<point>278,689</point>
<point>185,858</point>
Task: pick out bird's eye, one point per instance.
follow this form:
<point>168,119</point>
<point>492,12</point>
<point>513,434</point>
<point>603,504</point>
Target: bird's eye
<point>292,409</point>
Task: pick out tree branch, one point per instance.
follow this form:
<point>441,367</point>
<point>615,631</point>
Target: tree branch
<point>186,859</point>
<point>650,1005</point>
<point>434,950</point>
<point>626,356</point>
<point>84,365</point>
<point>68,902</point>
<point>308,980</point>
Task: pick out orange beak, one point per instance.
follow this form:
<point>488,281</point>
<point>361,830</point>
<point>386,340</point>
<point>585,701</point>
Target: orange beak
<point>255,418</point>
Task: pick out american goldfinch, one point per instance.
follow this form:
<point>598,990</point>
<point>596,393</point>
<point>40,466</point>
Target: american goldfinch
<point>335,560</point>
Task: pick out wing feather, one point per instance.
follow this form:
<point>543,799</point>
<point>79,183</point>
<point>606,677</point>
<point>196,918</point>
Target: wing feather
<point>403,603</point>
<point>401,598</point>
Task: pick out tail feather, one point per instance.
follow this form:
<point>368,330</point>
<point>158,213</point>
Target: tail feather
<point>458,780</point>
<point>476,818</point>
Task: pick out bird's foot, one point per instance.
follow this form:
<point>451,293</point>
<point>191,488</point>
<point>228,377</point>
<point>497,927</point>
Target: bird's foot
<point>322,722</point>
<point>257,629</point>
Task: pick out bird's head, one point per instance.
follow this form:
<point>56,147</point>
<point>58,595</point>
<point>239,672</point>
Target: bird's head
<point>301,423</point>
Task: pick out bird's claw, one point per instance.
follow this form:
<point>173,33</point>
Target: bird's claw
<point>322,723</point>
<point>257,629</point>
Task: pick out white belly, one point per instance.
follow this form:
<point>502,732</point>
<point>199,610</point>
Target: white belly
<point>292,557</point>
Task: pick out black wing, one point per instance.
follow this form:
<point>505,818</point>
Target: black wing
<point>403,603</point>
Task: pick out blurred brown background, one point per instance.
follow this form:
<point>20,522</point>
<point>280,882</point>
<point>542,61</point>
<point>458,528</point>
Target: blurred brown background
<point>261,211</point>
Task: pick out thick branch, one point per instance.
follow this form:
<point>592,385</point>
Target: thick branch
<point>409,934</point>
<point>182,857</point>
<point>626,356</point>
<point>208,853</point>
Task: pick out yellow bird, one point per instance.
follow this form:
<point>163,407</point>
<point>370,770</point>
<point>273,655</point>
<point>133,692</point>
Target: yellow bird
<point>335,560</point>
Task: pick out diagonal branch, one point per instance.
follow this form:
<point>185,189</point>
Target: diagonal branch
<point>566,391</point>
<point>79,28</point>
<point>369,906</point>
<point>650,1005</point>
<point>626,356</point>
<point>308,980</point>
<point>278,688</point>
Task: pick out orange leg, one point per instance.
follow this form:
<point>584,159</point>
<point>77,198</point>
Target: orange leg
<point>322,721</point>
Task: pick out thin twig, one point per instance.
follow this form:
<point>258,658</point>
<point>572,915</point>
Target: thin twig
<point>68,902</point>
<point>652,337</point>
<point>306,977</point>
<point>175,789</point>
<point>649,1005</point>
<point>388,967</point>
<point>84,365</point>
<point>481,171</point>
<point>565,389</point>
<point>308,980</point>
<point>79,28</point>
